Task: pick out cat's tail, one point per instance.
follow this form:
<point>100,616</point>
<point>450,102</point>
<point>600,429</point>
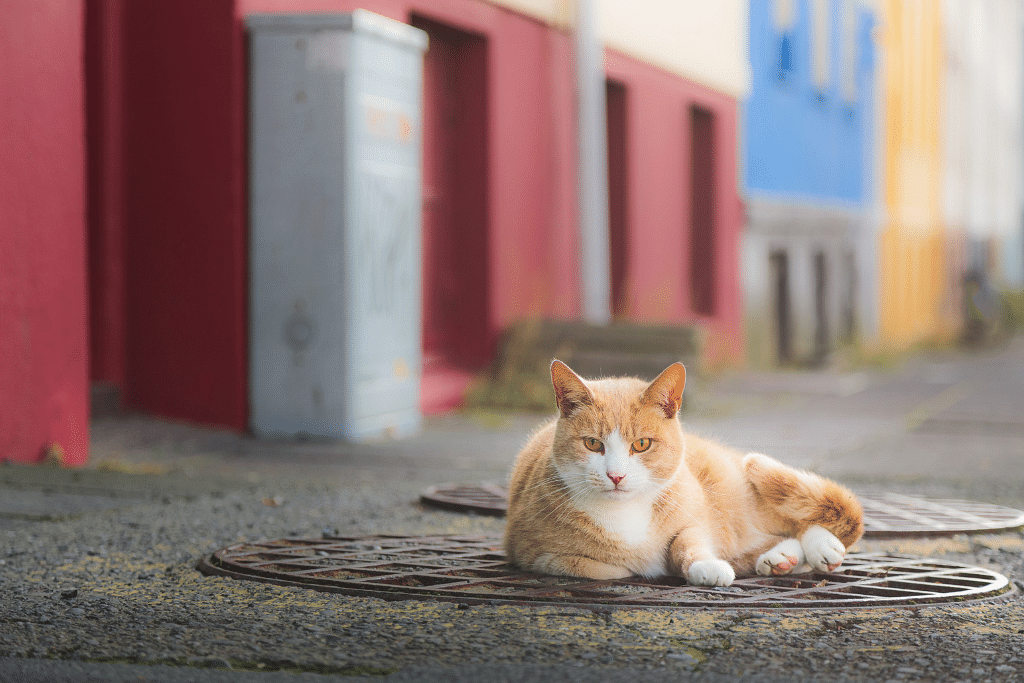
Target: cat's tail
<point>805,499</point>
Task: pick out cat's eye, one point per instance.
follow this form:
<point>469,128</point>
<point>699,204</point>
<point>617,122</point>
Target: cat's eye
<point>593,444</point>
<point>641,445</point>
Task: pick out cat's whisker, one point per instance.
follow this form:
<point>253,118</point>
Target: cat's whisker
<point>559,504</point>
<point>555,500</point>
<point>555,477</point>
<point>540,484</point>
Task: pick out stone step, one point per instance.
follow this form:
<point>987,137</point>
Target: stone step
<point>520,375</point>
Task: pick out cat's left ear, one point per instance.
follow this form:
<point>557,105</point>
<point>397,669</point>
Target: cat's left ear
<point>666,391</point>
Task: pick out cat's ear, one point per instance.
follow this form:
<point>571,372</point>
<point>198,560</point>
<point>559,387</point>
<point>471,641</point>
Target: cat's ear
<point>666,391</point>
<point>570,391</point>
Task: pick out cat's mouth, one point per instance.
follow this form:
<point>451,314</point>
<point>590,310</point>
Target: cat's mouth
<point>618,492</point>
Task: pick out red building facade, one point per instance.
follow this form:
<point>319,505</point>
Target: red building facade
<point>43,345</point>
<point>166,230</point>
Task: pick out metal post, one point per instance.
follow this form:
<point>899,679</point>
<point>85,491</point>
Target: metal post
<point>595,262</point>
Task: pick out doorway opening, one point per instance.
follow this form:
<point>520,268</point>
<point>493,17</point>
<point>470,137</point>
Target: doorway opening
<point>849,312</point>
<point>104,207</point>
<point>779,268</point>
<point>456,333</point>
<point>618,197</point>
<point>703,210</point>
<point>821,332</point>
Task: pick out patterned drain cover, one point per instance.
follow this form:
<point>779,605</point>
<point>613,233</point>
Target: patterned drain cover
<point>886,515</point>
<point>472,570</point>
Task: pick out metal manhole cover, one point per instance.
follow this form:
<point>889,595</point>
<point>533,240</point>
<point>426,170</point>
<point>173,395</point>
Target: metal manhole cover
<point>484,498</point>
<point>472,570</point>
<point>886,515</point>
<point>889,515</point>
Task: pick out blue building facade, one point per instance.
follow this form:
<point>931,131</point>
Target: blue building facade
<point>807,139</point>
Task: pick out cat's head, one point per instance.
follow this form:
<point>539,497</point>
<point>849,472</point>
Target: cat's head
<point>617,438</point>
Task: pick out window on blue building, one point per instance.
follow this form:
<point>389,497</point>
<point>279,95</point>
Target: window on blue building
<point>785,61</point>
<point>784,18</point>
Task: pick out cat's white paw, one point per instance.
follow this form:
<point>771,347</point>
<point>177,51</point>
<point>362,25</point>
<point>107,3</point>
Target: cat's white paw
<point>785,558</point>
<point>710,573</point>
<point>823,551</point>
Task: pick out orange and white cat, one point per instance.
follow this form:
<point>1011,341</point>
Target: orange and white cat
<point>613,488</point>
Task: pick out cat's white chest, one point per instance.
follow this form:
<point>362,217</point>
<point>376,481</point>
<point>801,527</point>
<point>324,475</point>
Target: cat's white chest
<point>628,522</point>
<point>629,525</point>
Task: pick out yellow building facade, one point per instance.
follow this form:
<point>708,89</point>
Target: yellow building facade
<point>916,299</point>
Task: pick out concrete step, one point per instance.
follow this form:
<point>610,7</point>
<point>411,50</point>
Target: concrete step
<point>520,375</point>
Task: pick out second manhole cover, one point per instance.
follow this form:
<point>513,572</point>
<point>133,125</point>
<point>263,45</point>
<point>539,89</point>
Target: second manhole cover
<point>886,515</point>
<point>473,570</point>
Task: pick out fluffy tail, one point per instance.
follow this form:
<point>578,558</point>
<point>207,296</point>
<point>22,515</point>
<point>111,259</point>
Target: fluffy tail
<point>806,499</point>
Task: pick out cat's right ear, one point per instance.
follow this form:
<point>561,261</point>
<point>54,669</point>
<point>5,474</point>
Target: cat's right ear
<point>666,391</point>
<point>570,392</point>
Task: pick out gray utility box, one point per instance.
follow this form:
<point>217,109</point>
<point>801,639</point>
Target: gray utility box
<point>334,197</point>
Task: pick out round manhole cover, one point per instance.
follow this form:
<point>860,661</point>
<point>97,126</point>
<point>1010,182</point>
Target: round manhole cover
<point>886,515</point>
<point>473,570</point>
<point>484,498</point>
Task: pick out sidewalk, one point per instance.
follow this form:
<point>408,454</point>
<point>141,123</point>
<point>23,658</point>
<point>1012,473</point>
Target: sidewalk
<point>97,564</point>
<point>949,415</point>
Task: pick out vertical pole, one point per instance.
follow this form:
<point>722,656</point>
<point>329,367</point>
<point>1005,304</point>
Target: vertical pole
<point>595,262</point>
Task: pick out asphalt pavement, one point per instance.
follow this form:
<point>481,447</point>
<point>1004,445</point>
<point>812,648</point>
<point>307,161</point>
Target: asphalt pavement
<point>97,565</point>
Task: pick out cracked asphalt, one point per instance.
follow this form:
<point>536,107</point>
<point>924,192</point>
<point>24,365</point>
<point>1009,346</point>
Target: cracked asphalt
<point>97,565</point>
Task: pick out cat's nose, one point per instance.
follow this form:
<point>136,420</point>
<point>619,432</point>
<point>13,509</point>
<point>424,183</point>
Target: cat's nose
<point>616,478</point>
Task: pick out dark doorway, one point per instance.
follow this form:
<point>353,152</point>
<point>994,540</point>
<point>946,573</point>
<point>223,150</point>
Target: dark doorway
<point>618,196</point>
<point>104,203</point>
<point>821,345</point>
<point>778,263</point>
<point>455,230</point>
<point>703,210</point>
<point>849,319</point>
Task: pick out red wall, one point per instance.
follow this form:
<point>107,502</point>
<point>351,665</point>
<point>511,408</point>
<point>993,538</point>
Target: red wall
<point>43,348</point>
<point>659,212</point>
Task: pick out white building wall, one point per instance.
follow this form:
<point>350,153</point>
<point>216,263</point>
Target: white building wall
<point>799,230</point>
<point>1010,97</point>
<point>984,134</point>
<point>705,42</point>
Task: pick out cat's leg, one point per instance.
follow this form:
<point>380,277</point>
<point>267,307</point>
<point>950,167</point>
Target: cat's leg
<point>784,558</point>
<point>803,502</point>
<point>691,556</point>
<point>577,565</point>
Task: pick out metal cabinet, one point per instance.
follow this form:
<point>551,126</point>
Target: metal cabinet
<point>335,106</point>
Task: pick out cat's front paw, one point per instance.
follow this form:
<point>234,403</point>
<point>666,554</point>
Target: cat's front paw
<point>710,573</point>
<point>824,552</point>
<point>784,558</point>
